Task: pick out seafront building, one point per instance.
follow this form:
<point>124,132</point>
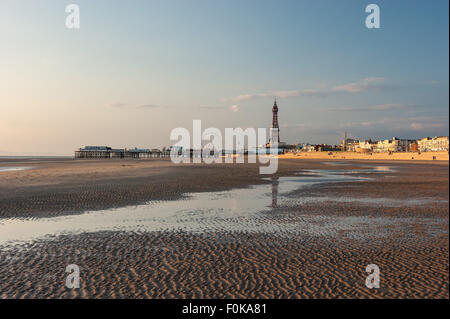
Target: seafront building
<point>395,144</point>
<point>365,146</point>
<point>349,144</point>
<point>433,144</point>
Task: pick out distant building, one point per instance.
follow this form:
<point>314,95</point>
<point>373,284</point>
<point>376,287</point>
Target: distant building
<point>349,144</point>
<point>138,153</point>
<point>433,144</point>
<point>108,152</point>
<point>309,148</point>
<point>327,148</point>
<point>303,147</point>
<point>428,144</point>
<point>98,152</point>
<point>413,146</point>
<point>365,146</point>
<point>390,145</point>
<point>394,145</point>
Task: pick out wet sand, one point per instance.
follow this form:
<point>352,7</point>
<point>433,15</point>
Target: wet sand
<point>52,188</point>
<point>404,230</point>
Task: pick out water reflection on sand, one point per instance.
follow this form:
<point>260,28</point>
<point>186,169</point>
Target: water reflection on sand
<point>11,168</point>
<point>249,210</point>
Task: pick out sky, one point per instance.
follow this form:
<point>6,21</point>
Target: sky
<point>135,70</point>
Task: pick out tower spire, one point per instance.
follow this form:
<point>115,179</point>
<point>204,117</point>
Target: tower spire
<point>275,130</point>
<point>275,114</point>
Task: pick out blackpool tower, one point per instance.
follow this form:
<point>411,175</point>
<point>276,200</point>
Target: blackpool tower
<point>275,130</point>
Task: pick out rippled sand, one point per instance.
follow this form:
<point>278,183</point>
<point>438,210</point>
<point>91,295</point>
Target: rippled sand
<point>225,265</point>
<point>305,243</point>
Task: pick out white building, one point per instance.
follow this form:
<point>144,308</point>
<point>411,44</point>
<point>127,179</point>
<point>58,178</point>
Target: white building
<point>433,144</point>
<point>394,145</point>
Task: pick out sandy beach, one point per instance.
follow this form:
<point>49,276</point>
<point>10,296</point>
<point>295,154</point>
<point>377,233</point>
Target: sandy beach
<point>314,228</point>
<point>382,156</point>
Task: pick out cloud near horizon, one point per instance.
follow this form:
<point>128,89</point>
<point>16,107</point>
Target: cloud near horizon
<point>279,94</point>
<point>119,105</point>
<point>149,106</point>
<point>128,105</point>
<point>417,124</point>
<point>363,85</point>
<point>378,107</point>
<point>234,108</point>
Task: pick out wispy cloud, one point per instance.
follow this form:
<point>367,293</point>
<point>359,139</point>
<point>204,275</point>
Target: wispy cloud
<point>424,123</point>
<point>432,82</point>
<point>384,107</point>
<point>280,94</point>
<point>363,85</point>
<point>134,106</point>
<point>242,97</point>
<point>379,107</point>
<point>119,105</point>
<point>420,126</point>
<point>213,108</point>
<point>234,108</point>
<point>149,106</point>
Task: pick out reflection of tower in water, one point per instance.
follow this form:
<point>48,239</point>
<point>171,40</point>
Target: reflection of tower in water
<point>275,183</point>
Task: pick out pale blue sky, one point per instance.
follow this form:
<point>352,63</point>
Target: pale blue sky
<point>137,69</point>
